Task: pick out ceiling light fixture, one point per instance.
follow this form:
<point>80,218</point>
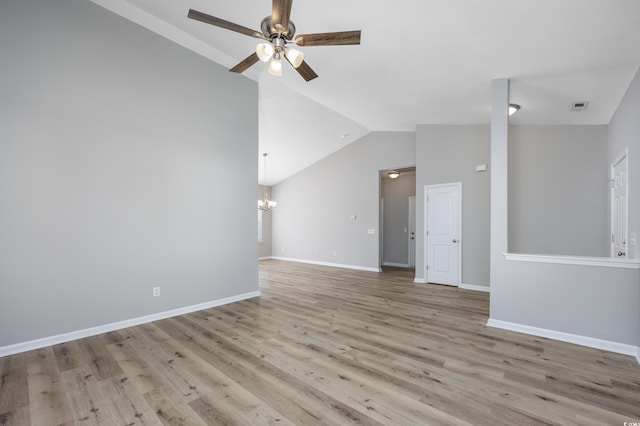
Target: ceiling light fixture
<point>265,204</point>
<point>393,174</point>
<point>513,108</point>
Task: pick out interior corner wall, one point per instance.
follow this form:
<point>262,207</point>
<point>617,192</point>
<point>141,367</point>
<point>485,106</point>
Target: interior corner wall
<point>624,132</point>
<point>558,190</point>
<point>264,246</point>
<point>112,143</point>
<point>450,153</point>
<point>313,221</point>
<point>396,193</point>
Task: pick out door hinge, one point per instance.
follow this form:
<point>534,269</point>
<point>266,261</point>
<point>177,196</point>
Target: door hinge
<point>613,238</point>
<point>613,183</point>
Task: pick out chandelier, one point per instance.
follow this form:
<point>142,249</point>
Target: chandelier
<point>265,204</point>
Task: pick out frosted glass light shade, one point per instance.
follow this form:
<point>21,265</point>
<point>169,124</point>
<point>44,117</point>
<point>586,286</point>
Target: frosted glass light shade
<point>513,108</point>
<point>264,51</point>
<point>295,57</point>
<point>275,67</point>
<point>265,204</point>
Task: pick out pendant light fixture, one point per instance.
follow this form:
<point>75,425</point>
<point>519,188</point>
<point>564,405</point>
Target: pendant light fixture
<point>265,204</point>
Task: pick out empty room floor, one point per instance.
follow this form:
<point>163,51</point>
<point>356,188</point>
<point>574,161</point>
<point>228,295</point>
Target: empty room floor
<point>323,346</point>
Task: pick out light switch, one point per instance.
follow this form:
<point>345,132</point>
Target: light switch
<point>371,231</point>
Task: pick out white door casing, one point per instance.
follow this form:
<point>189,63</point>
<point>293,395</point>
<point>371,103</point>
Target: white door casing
<point>619,199</point>
<point>412,232</point>
<point>443,220</point>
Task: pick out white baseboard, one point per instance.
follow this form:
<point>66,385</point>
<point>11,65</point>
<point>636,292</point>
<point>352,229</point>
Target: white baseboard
<point>419,280</point>
<point>265,258</point>
<point>397,265</point>
<point>638,355</point>
<point>475,287</point>
<point>333,265</point>
<point>620,348</point>
<point>88,332</point>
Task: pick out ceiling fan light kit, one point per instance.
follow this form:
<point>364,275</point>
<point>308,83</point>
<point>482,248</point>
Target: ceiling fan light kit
<point>275,66</point>
<point>276,32</point>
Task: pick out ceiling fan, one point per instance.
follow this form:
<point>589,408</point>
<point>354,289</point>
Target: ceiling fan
<point>277,31</point>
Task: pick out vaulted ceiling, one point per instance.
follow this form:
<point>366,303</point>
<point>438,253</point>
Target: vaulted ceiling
<point>419,62</point>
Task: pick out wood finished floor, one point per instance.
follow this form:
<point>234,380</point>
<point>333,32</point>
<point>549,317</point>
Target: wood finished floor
<point>322,346</point>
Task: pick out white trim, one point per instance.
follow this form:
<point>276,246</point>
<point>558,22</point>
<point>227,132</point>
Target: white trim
<point>608,262</point>
<point>333,265</point>
<point>577,339</point>
<point>419,280</point>
<point>638,355</point>
<point>412,213</point>
<point>265,258</point>
<point>474,287</point>
<point>398,265</point>
<point>88,332</point>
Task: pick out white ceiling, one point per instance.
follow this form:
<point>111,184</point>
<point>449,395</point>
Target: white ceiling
<point>419,62</point>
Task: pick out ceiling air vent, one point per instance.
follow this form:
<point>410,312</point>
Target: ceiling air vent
<point>579,106</point>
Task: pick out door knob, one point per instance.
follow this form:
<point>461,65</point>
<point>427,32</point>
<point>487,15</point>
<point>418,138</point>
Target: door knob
<point>455,241</point>
<point>621,253</point>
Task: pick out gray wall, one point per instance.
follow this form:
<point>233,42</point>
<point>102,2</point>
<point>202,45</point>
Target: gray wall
<point>592,302</point>
<point>624,132</point>
<point>264,246</point>
<point>313,219</point>
<point>113,142</point>
<point>558,190</point>
<point>450,153</point>
<point>396,193</point>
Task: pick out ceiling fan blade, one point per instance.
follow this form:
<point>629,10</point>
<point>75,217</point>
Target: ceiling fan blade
<point>280,14</point>
<point>305,71</point>
<point>245,63</point>
<point>329,39</point>
<point>203,17</point>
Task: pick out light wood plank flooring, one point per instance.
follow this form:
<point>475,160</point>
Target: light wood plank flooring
<point>322,346</point>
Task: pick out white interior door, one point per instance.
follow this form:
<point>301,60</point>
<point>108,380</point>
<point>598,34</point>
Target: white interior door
<point>443,223</point>
<point>412,232</point>
<point>619,195</point>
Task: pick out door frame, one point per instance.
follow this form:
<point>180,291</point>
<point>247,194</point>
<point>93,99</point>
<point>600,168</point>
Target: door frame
<point>459,222</point>
<point>412,214</point>
<point>623,156</point>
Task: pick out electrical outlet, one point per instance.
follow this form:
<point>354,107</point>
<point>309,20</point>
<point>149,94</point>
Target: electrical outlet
<point>156,291</point>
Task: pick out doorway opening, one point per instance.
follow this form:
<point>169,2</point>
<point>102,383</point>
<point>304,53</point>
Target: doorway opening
<point>396,191</point>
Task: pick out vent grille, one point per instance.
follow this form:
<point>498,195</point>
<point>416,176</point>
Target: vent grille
<point>579,106</point>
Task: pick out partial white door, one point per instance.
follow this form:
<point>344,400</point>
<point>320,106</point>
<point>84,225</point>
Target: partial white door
<point>619,196</point>
<point>412,232</point>
<point>443,223</point>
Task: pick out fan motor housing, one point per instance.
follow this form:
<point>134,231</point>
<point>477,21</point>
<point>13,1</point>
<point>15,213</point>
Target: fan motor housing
<point>270,31</point>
